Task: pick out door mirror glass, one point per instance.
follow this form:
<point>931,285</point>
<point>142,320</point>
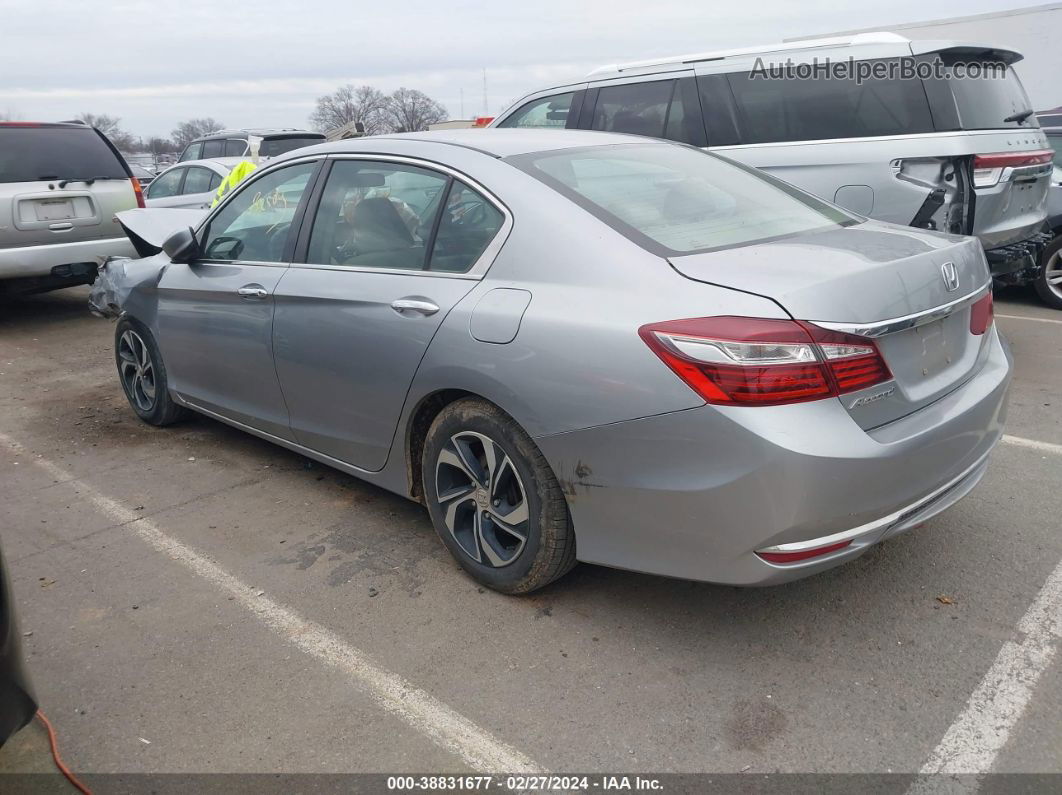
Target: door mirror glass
<point>182,246</point>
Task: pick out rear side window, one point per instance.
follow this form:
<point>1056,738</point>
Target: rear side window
<point>197,180</point>
<point>828,106</point>
<point>469,222</point>
<point>634,108</point>
<point>215,181</point>
<point>235,148</point>
<point>271,147</point>
<point>543,112</point>
<point>676,200</point>
<point>213,149</point>
<point>35,154</point>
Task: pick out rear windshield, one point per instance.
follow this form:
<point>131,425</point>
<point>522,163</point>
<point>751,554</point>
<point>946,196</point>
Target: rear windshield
<point>676,200</point>
<point>35,154</point>
<point>271,147</point>
<point>987,101</point>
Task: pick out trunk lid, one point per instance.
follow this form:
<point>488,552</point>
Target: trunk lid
<point>854,279</point>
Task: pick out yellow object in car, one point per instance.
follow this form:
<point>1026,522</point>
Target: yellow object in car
<point>235,177</point>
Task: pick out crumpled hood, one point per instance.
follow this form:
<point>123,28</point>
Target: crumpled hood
<point>148,228</point>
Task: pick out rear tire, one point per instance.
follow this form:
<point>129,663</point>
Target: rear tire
<point>143,374</point>
<point>1051,294</point>
<point>494,500</point>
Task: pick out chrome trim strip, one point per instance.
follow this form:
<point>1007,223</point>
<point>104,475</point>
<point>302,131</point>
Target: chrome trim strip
<point>873,138</point>
<point>878,524</point>
<point>883,327</point>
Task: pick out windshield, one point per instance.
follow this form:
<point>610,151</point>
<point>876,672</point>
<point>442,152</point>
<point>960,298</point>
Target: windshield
<point>676,199</point>
<point>986,102</point>
<point>34,154</point>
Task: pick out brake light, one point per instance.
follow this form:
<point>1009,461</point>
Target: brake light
<point>138,191</point>
<point>762,362</point>
<point>482,121</point>
<point>20,124</point>
<point>981,314</point>
<point>989,168</point>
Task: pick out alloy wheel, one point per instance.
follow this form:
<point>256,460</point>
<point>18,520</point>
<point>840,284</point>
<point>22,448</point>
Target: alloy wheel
<point>137,370</point>
<point>483,500</point>
<point>1053,274</point>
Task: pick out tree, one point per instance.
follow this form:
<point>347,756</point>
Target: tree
<point>348,104</point>
<point>111,127</point>
<point>187,131</point>
<point>409,110</point>
<point>158,146</point>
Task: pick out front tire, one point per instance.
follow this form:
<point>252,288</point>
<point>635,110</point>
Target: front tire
<point>1049,283</point>
<point>143,374</point>
<point>494,500</point>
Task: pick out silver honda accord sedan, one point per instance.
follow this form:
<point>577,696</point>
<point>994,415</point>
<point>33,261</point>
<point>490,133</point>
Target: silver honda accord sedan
<point>582,346</point>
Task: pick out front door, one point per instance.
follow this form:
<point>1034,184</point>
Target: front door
<point>216,314</point>
<point>392,248</point>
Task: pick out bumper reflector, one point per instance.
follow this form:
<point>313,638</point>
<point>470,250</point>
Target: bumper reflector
<point>803,554</point>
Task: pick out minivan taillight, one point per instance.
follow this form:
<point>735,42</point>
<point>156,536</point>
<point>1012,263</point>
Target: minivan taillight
<point>764,362</point>
<point>138,191</point>
<point>987,169</point>
<point>981,314</point>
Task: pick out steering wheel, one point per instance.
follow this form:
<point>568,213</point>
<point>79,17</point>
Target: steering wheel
<point>275,237</point>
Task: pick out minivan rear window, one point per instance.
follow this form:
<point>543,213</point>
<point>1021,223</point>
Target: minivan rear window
<point>676,199</point>
<point>35,154</point>
<point>986,102</point>
<point>825,106</point>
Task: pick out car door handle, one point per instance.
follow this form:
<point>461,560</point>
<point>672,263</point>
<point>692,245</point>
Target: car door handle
<point>256,291</point>
<point>414,305</point>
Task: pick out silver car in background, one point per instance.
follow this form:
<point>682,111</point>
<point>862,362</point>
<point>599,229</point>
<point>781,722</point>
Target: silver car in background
<point>580,346</point>
<point>190,185</point>
<point>947,152</point>
<point>60,187</point>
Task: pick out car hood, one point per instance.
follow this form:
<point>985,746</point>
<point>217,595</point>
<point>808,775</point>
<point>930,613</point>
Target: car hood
<point>148,228</point>
<point>857,274</point>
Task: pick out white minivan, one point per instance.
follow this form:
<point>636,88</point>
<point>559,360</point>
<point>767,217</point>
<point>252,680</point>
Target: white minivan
<point>932,134</point>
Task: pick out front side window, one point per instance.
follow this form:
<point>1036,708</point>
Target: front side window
<point>634,108</point>
<point>197,180</point>
<point>824,106</point>
<point>192,152</point>
<point>253,226</point>
<point>213,149</point>
<point>544,112</point>
<point>676,200</point>
<point>376,215</point>
<point>166,184</point>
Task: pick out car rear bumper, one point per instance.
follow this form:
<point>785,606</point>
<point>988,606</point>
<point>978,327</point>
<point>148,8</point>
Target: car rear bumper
<point>695,494</point>
<point>26,261</point>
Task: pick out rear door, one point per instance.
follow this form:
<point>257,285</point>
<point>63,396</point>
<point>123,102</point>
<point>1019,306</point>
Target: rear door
<point>215,315</point>
<point>391,248</point>
<point>59,184</point>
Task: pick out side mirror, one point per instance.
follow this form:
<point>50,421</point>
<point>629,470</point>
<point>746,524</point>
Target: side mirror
<point>182,246</point>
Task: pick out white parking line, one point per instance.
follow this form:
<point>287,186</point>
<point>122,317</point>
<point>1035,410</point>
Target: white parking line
<point>1035,319</point>
<point>1033,444</point>
<point>977,736</point>
<point>443,725</point>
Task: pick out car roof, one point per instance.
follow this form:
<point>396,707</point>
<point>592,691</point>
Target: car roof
<point>265,132</point>
<point>496,142</point>
<point>215,163</point>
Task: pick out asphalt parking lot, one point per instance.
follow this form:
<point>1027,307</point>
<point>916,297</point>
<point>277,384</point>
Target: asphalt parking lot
<point>197,600</point>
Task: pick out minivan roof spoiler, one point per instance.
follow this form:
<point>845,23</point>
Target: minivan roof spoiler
<point>853,40</point>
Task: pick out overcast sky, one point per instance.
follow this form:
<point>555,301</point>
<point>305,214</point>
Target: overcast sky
<point>263,63</point>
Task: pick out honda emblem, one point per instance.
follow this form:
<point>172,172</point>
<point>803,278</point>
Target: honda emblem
<point>951,276</point>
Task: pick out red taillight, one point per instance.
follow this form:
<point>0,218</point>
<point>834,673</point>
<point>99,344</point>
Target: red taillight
<point>138,191</point>
<point>987,169</point>
<point>981,314</point>
<point>803,554</point>
<point>761,362</point>
<point>482,121</point>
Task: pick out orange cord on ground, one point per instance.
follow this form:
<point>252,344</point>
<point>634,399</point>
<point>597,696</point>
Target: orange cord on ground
<point>55,755</point>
